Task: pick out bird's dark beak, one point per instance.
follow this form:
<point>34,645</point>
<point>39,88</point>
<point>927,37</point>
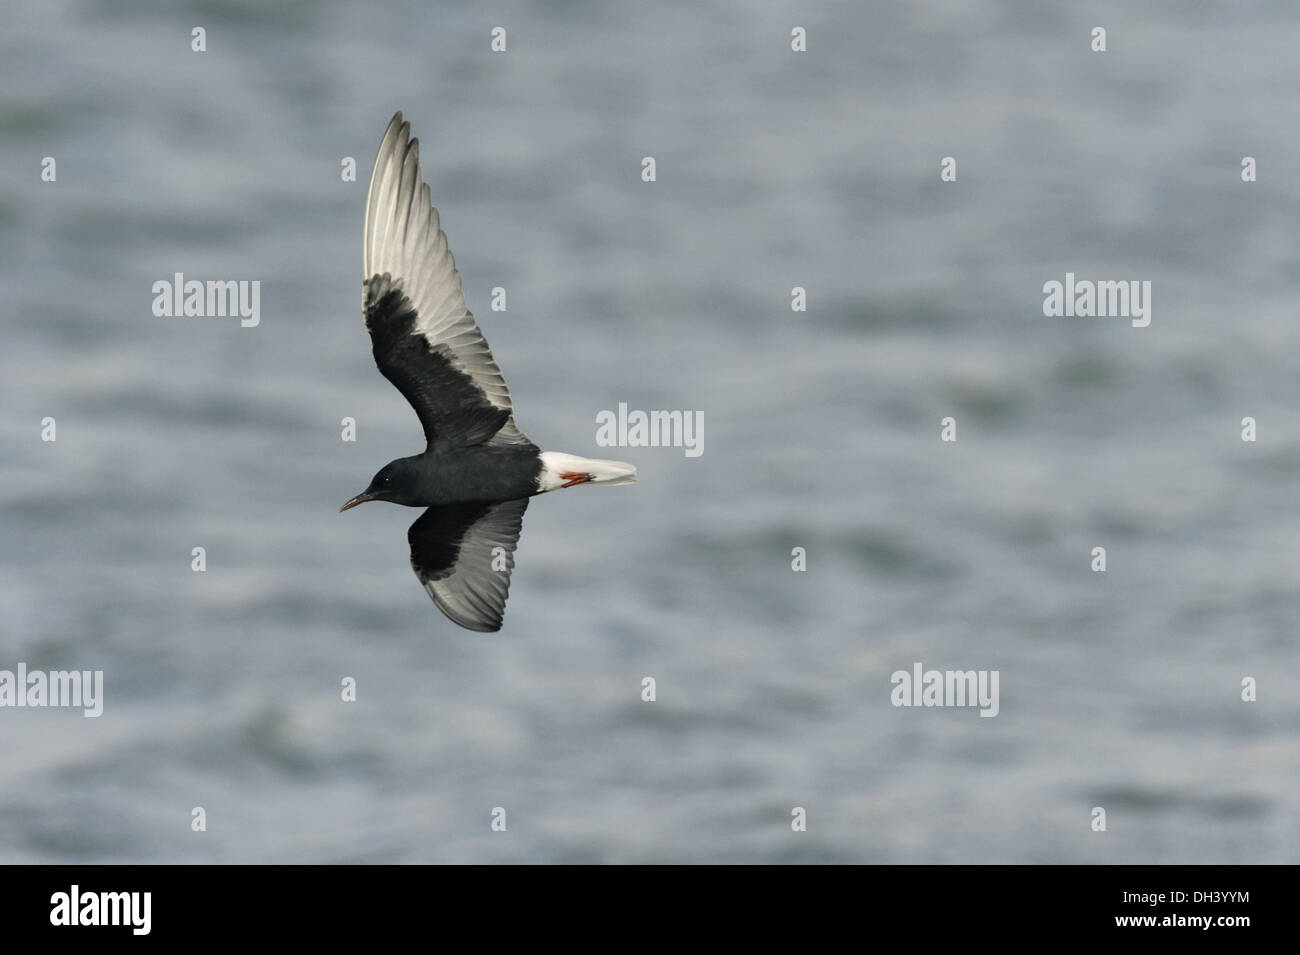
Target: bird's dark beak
<point>359,499</point>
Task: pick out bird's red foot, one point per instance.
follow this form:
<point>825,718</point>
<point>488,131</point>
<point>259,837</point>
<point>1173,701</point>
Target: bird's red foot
<point>574,477</point>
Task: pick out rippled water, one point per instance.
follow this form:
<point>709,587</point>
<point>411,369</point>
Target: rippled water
<point>775,169</point>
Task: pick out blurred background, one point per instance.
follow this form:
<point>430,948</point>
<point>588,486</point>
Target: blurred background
<point>775,169</point>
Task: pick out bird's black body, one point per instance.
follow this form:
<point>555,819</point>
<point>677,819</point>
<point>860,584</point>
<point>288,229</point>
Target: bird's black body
<point>477,471</point>
<point>484,473</point>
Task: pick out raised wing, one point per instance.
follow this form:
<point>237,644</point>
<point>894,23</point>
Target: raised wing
<point>463,554</point>
<point>425,340</point>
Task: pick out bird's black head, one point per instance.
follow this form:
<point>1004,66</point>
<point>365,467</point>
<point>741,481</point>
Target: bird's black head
<point>395,482</point>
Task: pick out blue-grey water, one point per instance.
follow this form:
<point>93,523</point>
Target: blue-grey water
<point>1120,690</point>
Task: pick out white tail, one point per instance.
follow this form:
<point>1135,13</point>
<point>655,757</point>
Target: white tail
<point>556,465</point>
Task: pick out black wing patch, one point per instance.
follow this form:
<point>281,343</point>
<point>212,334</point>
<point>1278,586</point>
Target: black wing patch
<point>463,555</point>
<point>452,408</point>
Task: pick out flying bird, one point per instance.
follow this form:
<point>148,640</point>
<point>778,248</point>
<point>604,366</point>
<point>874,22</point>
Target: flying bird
<point>478,470</point>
